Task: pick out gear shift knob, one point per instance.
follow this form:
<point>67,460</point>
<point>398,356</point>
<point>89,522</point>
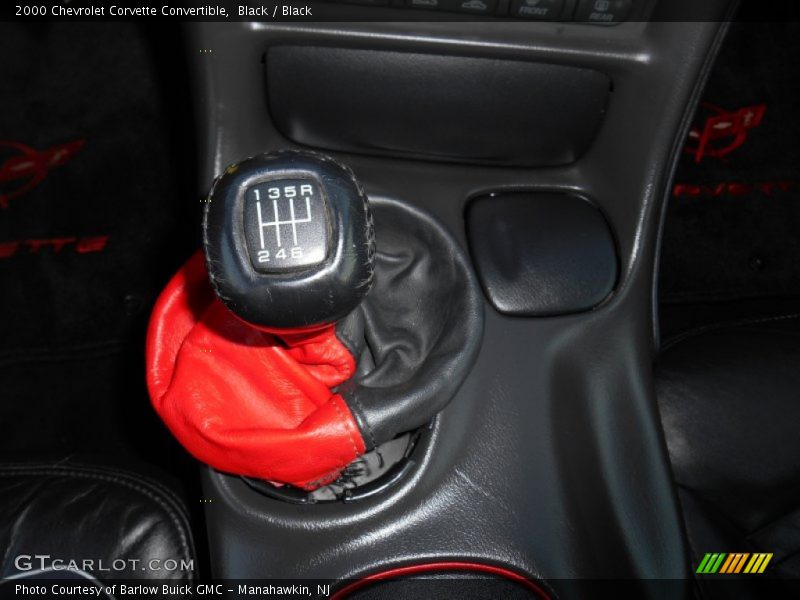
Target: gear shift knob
<point>288,240</point>
<point>289,249</point>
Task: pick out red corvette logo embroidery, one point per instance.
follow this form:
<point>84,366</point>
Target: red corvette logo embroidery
<point>82,245</point>
<point>27,168</point>
<point>733,189</point>
<point>724,131</point>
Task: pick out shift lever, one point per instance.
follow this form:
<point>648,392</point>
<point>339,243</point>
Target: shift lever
<point>281,368</point>
<point>288,240</point>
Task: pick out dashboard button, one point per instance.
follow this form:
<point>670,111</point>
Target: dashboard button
<point>475,7</point>
<point>603,11</point>
<point>366,2</point>
<point>424,4</point>
<point>546,10</point>
<point>479,7</point>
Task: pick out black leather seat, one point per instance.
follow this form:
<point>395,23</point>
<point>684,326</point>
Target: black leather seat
<point>111,523</point>
<point>730,404</point>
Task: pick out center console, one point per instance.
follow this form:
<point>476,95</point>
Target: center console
<point>543,150</point>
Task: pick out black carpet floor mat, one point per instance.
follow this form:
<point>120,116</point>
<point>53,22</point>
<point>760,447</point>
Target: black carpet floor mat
<point>96,212</point>
<point>89,401</point>
<point>732,225</point>
<point>731,246</point>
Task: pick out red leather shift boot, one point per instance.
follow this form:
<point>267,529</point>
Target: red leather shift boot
<point>245,401</point>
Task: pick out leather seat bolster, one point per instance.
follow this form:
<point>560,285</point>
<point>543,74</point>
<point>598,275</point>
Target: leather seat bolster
<point>730,406</point>
<point>109,523</point>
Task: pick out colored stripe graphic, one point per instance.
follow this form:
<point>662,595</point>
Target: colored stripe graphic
<point>711,562</point>
<point>730,564</point>
<point>755,559</point>
<point>715,567</point>
<point>758,563</point>
<point>738,563</point>
<point>702,566</point>
<point>733,563</point>
<point>727,564</point>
